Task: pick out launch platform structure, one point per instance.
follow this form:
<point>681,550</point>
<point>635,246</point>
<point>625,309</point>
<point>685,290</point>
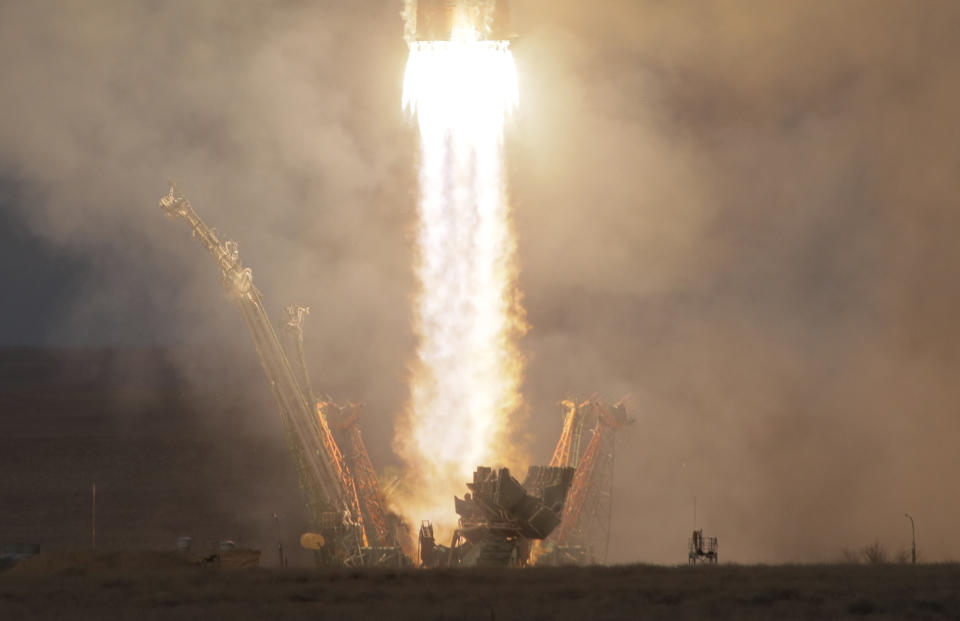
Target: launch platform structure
<point>568,450</point>
<point>293,327</point>
<point>500,518</point>
<point>370,496</point>
<point>343,421</point>
<point>702,549</point>
<point>332,501</point>
<point>589,507</point>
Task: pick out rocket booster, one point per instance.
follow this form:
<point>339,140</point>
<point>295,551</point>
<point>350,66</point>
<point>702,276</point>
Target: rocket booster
<point>437,20</point>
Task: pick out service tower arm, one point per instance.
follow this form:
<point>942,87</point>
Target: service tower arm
<point>318,474</point>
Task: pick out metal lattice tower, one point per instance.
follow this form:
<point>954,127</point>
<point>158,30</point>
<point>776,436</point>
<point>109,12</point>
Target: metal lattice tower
<point>589,507</point>
<point>567,452</point>
<point>327,412</point>
<point>369,493</point>
<point>319,463</point>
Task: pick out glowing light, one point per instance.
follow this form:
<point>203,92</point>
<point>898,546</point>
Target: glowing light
<point>465,381</point>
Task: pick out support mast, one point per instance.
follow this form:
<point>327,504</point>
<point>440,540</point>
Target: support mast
<point>316,460</point>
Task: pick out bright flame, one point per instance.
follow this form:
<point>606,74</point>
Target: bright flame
<point>467,373</point>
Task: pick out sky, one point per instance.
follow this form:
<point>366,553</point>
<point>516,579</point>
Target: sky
<point>740,213</point>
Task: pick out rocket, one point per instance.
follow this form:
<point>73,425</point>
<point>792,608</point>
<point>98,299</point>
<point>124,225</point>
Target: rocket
<point>436,19</point>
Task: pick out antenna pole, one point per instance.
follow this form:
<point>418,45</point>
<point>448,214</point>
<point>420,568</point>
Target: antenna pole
<point>283,560</point>
<point>913,539</point>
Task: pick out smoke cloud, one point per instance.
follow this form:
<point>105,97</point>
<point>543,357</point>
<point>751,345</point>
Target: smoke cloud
<point>742,213</point>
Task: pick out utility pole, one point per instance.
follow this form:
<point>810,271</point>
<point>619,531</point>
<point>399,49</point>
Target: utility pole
<point>913,539</point>
<point>93,517</point>
<point>283,560</point>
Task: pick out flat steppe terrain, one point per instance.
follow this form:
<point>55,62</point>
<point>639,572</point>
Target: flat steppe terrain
<point>188,449</point>
<point>133,585</point>
<point>174,450</point>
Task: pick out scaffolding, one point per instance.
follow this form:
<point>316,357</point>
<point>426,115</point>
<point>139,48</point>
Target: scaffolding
<point>369,494</point>
<point>329,480</point>
<point>702,549</point>
<point>585,527</point>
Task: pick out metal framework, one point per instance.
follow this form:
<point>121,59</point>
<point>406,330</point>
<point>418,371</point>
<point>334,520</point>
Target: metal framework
<point>589,506</point>
<point>328,488</point>
<point>568,449</point>
<point>364,477</point>
<point>341,433</point>
<point>702,549</point>
<point>500,518</point>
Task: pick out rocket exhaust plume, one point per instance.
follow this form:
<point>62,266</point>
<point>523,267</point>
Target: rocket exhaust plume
<point>465,379</point>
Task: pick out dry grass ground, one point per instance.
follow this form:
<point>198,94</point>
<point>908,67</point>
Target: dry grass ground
<point>141,586</point>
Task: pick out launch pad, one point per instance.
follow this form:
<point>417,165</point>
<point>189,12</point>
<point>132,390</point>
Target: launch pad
<point>565,504</point>
<point>461,85</point>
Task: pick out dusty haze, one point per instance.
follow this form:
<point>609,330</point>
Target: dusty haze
<point>743,213</point>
